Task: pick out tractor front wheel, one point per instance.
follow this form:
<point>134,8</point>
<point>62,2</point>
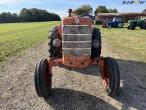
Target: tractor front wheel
<point>144,27</point>
<point>42,78</point>
<point>111,77</point>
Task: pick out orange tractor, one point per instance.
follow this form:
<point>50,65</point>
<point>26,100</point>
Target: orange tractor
<point>76,44</point>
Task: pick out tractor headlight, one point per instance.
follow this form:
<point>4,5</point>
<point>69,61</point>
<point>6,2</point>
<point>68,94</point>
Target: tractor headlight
<point>57,43</point>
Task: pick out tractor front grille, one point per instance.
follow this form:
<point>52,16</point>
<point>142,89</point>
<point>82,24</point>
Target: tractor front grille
<point>77,40</point>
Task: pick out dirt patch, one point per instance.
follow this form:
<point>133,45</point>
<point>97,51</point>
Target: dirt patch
<point>72,89</point>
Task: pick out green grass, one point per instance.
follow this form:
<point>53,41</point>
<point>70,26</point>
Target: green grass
<point>127,43</point>
<point>15,37</point>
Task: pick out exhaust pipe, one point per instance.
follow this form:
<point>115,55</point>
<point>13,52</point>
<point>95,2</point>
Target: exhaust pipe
<point>70,11</point>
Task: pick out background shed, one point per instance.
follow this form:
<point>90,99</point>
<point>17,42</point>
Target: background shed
<point>125,16</point>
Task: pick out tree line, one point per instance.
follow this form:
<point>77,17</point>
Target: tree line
<point>88,9</point>
<point>100,9</point>
<point>28,15</point>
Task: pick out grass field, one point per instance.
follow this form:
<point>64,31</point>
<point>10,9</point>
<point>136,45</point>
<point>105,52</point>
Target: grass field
<point>127,43</point>
<point>15,37</point>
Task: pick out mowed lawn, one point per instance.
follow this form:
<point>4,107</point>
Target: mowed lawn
<point>15,37</point>
<point>131,44</point>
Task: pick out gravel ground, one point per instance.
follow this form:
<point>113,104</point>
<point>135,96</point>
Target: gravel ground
<point>72,89</point>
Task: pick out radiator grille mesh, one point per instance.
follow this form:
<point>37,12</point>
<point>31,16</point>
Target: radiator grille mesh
<point>77,40</point>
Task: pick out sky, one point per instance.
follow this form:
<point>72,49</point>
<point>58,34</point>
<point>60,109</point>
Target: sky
<point>61,6</point>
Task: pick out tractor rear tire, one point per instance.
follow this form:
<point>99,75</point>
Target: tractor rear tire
<point>132,27</point>
<point>141,27</point>
<point>55,52</point>
<point>144,27</point>
<point>42,79</point>
<point>96,43</point>
<point>112,77</point>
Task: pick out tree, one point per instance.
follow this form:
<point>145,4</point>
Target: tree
<point>8,17</point>
<point>101,9</point>
<point>55,17</point>
<point>25,15</point>
<point>113,10</point>
<point>83,9</point>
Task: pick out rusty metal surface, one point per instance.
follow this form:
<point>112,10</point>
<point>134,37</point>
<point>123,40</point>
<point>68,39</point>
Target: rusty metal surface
<point>78,62</point>
<point>77,29</point>
<point>77,52</point>
<point>71,21</point>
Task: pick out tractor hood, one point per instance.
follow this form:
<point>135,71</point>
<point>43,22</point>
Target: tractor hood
<point>77,20</point>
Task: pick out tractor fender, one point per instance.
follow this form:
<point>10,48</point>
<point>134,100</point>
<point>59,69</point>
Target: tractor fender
<point>59,28</point>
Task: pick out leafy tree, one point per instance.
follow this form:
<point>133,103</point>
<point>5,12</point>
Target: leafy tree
<point>8,17</point>
<point>25,15</point>
<point>113,10</point>
<point>83,9</point>
<point>35,14</point>
<point>101,9</point>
